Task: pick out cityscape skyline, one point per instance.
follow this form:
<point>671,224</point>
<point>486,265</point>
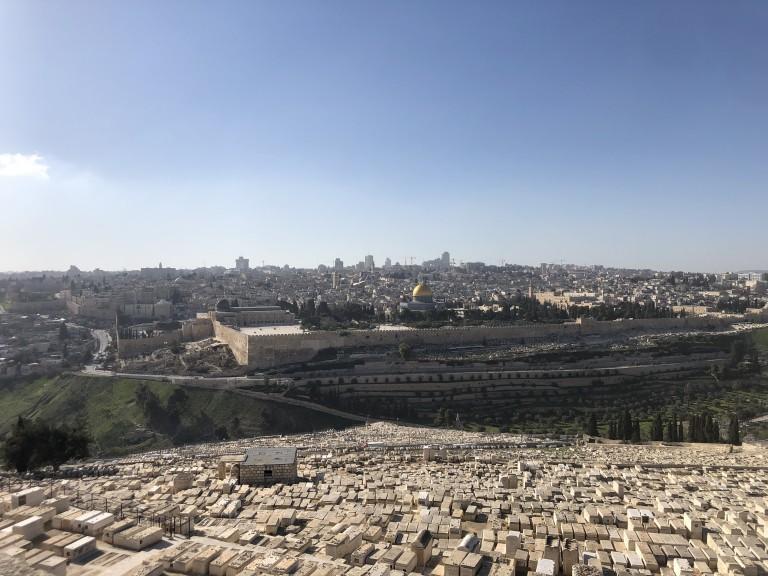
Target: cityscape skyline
<point>243,264</point>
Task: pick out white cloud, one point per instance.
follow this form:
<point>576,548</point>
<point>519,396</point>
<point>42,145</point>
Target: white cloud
<point>23,165</point>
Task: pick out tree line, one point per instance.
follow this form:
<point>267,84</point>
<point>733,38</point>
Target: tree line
<point>518,308</point>
<point>32,444</point>
<point>702,428</point>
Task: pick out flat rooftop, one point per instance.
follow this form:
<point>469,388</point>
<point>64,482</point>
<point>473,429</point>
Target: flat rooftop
<point>272,330</point>
<point>269,456</point>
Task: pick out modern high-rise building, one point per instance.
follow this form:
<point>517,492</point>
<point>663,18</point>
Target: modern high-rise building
<point>445,260</point>
<point>242,264</point>
<point>369,262</point>
<point>338,264</point>
<point>388,263</point>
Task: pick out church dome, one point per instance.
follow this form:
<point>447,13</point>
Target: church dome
<point>422,291</point>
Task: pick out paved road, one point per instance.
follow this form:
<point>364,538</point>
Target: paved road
<point>103,340</point>
<point>301,403</point>
<point>212,382</point>
<point>559,372</point>
<point>199,381</point>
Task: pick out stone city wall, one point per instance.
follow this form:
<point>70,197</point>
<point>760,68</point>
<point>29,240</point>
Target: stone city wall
<point>197,329</point>
<point>159,310</point>
<point>132,347</point>
<point>94,310</point>
<point>190,331</point>
<point>265,351</point>
<point>236,340</point>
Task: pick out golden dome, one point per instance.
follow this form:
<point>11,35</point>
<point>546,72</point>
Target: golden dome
<point>422,291</point>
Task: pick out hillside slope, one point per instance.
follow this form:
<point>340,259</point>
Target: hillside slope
<point>130,415</point>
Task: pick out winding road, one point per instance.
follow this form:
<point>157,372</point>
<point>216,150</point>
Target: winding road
<point>103,340</point>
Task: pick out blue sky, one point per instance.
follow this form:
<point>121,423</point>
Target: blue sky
<point>595,132</point>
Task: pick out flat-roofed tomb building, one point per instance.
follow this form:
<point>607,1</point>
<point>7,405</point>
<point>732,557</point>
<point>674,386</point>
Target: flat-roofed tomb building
<point>261,466</point>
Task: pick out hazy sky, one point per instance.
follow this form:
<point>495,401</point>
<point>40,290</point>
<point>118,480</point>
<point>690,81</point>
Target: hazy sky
<point>620,133</point>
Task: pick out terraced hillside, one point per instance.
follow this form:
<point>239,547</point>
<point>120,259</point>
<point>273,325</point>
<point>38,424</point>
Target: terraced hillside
<point>556,391</point>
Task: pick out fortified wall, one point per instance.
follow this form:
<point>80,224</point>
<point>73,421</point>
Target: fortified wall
<point>132,347</point>
<point>190,331</point>
<point>197,329</point>
<point>237,341</point>
<point>271,350</point>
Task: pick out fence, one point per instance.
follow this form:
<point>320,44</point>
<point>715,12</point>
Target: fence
<point>172,525</point>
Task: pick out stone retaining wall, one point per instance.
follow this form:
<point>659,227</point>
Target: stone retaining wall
<point>267,351</point>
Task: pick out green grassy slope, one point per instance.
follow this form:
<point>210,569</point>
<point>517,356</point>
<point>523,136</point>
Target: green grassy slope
<point>118,422</point>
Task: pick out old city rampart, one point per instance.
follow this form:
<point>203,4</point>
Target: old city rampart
<point>270,350</point>
<point>190,331</point>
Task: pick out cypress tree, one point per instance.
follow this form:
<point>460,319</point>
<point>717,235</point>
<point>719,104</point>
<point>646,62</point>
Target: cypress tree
<point>698,432</point>
<point>693,428</point>
<point>701,428</point>
<point>670,433</point>
<point>636,432</point>
<point>657,430</point>
<point>673,429</point>
<point>627,426</point>
<point>592,425</point>
<point>733,431</point>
